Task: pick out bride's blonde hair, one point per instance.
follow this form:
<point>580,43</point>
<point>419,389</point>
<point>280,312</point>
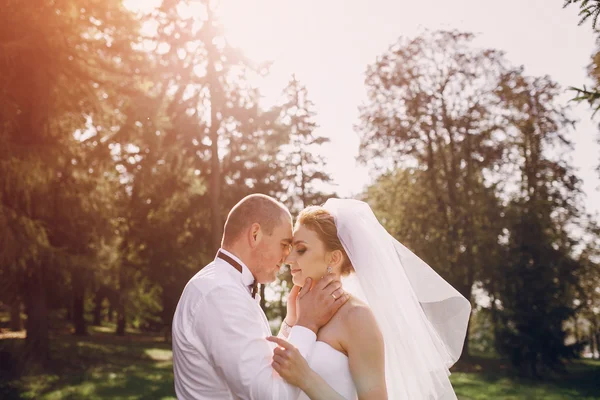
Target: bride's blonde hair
<point>319,220</point>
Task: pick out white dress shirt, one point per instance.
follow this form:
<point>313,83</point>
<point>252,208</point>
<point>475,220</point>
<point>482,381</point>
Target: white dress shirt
<point>220,349</point>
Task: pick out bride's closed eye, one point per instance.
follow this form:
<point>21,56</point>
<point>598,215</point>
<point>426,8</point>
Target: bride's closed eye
<point>301,251</point>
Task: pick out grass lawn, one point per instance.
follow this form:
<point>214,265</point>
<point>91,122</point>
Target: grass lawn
<point>581,383</point>
<point>103,366</point>
<point>100,366</point>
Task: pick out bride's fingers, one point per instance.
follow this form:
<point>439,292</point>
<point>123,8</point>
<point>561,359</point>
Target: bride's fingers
<point>295,290</point>
<point>305,289</point>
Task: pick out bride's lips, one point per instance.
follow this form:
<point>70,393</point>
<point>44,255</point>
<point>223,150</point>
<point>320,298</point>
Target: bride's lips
<point>295,271</point>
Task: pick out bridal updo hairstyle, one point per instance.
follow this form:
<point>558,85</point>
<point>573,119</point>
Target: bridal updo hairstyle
<point>319,220</point>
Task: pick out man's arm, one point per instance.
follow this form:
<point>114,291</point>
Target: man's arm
<point>231,327</point>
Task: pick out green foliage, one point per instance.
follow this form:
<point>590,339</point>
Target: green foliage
<point>432,120</point>
<point>536,284</point>
<point>482,333</point>
<point>304,166</point>
<point>55,56</point>
<point>535,291</point>
<point>585,94</point>
<point>122,148</point>
<point>587,9</point>
<point>476,183</point>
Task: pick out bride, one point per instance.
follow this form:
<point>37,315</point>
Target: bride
<point>403,327</point>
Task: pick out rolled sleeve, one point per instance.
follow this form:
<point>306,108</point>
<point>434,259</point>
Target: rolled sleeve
<point>230,325</point>
<point>303,339</point>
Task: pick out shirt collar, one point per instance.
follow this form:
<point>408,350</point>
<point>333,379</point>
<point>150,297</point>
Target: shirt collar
<point>247,277</point>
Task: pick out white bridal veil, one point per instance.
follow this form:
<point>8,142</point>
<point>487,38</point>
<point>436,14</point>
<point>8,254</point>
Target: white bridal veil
<point>423,319</point>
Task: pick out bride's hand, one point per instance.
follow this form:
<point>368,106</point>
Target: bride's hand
<point>289,363</point>
<point>291,315</point>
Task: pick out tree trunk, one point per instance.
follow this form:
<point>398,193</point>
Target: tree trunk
<point>121,319</point>
<point>216,95</point>
<point>78,289</point>
<point>215,181</point>
<point>98,299</point>
<point>595,336</point>
<point>263,301</point>
<point>121,299</point>
<point>37,343</point>
<point>465,352</point>
<point>169,305</point>
<point>15,316</point>
<point>69,314</point>
<point>111,310</point>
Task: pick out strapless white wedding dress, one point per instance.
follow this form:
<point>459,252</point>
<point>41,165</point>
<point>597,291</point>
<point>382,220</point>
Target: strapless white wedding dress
<point>334,367</point>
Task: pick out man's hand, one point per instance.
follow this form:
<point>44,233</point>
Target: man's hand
<point>316,307</point>
<point>289,363</point>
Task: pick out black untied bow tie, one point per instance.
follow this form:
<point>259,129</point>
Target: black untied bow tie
<point>254,287</point>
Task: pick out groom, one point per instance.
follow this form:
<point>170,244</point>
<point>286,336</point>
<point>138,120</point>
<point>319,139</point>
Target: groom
<point>220,349</point>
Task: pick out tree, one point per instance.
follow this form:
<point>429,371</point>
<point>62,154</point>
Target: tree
<point>306,167</point>
<point>588,9</point>
<point>77,46</point>
<point>537,280</point>
<point>190,144</point>
<point>81,219</point>
<point>585,327</point>
<point>433,112</point>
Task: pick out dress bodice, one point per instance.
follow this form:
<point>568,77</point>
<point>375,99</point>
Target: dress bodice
<point>334,367</point>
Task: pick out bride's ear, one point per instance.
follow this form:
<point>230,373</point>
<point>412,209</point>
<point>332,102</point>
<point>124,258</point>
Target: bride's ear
<point>336,258</point>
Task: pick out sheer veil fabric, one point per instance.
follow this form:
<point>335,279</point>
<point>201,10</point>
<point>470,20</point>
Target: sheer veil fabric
<point>423,319</point>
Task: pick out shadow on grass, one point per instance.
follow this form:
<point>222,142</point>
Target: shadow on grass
<point>138,366</point>
<point>98,366</point>
<point>140,381</point>
<point>582,381</point>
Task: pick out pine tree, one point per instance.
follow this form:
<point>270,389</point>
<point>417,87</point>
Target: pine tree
<point>307,174</point>
<point>536,283</point>
<point>55,58</point>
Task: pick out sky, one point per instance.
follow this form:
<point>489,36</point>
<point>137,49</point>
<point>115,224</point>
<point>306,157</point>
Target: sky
<point>329,44</point>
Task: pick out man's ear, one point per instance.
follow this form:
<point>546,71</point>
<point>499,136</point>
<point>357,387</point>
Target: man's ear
<point>255,235</point>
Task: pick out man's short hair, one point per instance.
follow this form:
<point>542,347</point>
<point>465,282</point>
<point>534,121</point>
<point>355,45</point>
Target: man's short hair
<point>255,208</point>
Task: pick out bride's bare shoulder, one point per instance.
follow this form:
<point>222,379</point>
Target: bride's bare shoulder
<point>360,331</point>
<point>357,314</point>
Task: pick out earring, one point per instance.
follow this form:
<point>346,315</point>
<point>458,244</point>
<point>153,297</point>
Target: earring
<point>329,269</point>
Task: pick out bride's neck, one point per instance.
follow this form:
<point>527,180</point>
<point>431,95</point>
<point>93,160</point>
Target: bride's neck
<point>314,281</point>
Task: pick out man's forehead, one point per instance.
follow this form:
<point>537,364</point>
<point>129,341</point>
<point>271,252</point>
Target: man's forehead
<point>286,230</point>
